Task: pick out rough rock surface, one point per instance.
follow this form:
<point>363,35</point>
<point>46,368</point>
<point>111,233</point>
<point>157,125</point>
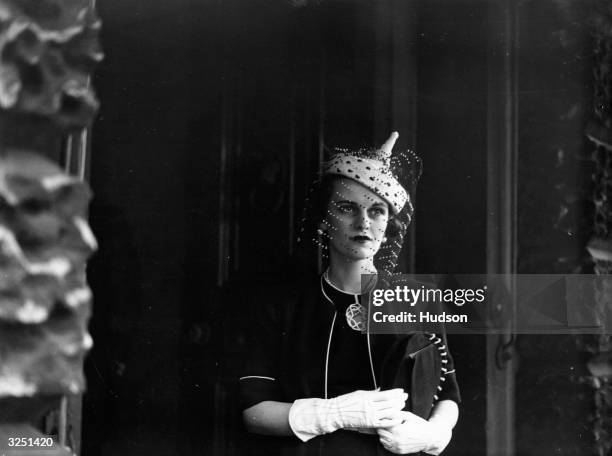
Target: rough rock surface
<point>45,302</point>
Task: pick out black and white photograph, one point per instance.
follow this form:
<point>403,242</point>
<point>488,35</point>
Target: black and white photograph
<point>305,227</point>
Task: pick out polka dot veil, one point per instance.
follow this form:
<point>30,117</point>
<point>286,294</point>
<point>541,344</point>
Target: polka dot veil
<point>361,204</point>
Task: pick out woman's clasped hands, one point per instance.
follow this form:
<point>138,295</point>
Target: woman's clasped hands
<point>415,434</point>
<point>358,410</point>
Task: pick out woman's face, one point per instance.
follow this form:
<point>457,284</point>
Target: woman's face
<point>356,220</point>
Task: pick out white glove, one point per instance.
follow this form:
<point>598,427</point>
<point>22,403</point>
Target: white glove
<point>442,431</point>
<point>359,409</point>
<point>415,434</point>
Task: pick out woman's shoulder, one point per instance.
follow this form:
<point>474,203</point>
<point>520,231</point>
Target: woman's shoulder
<point>391,280</point>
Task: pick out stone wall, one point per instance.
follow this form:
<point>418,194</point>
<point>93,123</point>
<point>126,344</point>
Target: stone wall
<point>48,49</point>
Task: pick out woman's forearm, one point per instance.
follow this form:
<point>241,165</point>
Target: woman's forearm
<point>445,413</point>
<point>442,419</point>
<point>307,418</point>
<point>268,418</point>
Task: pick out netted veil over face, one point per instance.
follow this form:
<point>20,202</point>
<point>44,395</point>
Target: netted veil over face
<point>378,183</point>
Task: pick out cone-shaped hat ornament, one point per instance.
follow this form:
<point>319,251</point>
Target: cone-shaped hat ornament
<point>371,169</point>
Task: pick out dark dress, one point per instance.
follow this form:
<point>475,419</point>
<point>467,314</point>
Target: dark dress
<point>303,347</point>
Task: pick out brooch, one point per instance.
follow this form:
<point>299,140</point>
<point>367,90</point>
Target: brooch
<point>356,317</point>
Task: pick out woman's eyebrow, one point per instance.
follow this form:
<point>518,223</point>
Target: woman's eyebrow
<point>345,202</point>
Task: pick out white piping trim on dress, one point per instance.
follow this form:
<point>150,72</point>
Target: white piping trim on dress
<point>443,361</point>
<point>331,331</point>
<point>257,376</point>
<point>369,351</point>
<point>325,294</point>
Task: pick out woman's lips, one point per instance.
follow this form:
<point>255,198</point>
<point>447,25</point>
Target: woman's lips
<point>361,239</point>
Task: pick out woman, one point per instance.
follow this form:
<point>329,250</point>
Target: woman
<point>315,371</point>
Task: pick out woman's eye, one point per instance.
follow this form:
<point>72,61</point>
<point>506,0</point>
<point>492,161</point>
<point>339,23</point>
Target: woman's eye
<point>378,211</point>
<point>345,208</point>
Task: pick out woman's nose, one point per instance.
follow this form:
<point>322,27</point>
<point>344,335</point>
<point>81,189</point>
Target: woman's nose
<point>362,221</point>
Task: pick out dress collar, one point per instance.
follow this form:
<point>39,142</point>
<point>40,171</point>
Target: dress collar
<point>339,298</point>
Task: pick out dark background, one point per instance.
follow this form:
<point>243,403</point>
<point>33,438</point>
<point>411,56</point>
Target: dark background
<point>214,117</point>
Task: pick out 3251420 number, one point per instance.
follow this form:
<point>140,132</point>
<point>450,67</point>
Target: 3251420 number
<point>30,442</point>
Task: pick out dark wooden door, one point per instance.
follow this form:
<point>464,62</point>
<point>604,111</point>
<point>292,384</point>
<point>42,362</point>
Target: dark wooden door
<point>214,120</point>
